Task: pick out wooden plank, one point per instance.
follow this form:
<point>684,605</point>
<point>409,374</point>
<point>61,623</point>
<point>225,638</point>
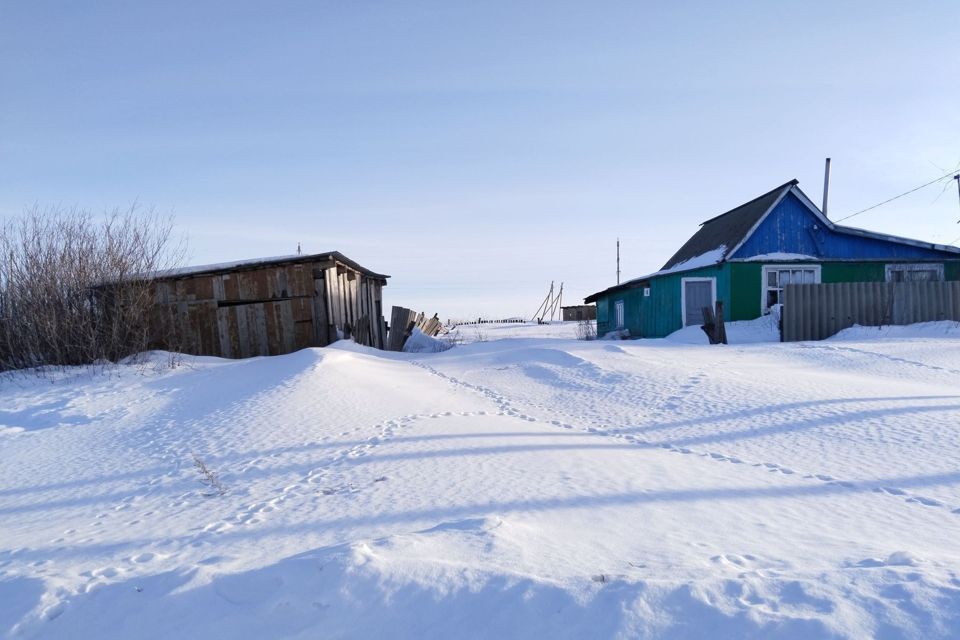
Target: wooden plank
<point>320,329</point>
<point>398,324</point>
<point>709,325</point>
<point>218,291</point>
<point>244,340</point>
<point>223,332</point>
<point>348,316</point>
<point>378,305</point>
<point>721,332</point>
<point>304,280</point>
<point>274,328</point>
<point>284,328</point>
<point>376,321</point>
<point>258,320</point>
<point>334,302</point>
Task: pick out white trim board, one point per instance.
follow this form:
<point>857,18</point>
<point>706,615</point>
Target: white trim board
<point>912,266</point>
<point>764,309</point>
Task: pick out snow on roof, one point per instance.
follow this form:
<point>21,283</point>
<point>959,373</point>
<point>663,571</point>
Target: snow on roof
<point>252,262</point>
<point>221,266</point>
<point>777,255</point>
<point>708,259</point>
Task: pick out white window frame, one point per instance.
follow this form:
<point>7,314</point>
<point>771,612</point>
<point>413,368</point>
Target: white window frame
<point>683,295</point>
<point>764,309</point>
<point>916,266</point>
<point>620,315</point>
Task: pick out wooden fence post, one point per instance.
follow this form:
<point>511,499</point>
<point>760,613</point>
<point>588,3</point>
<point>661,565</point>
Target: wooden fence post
<point>721,330</point>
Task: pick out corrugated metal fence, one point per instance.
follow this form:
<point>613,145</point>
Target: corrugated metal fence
<point>817,311</point>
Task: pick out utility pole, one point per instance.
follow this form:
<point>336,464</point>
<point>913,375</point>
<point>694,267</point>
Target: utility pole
<point>957,178</point>
<point>826,185</point>
<point>618,260</point>
<point>544,306</point>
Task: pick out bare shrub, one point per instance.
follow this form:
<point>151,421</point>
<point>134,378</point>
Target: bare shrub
<point>73,289</point>
<point>586,330</point>
<point>208,477</point>
<point>452,338</point>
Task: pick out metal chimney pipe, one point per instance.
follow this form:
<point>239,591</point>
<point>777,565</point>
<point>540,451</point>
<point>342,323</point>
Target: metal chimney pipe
<point>826,186</point>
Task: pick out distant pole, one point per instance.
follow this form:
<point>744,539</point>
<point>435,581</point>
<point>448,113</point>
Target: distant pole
<point>957,178</point>
<point>543,305</point>
<point>826,185</point>
<point>618,260</point>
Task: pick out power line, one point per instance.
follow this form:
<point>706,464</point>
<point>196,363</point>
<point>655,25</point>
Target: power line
<point>905,193</point>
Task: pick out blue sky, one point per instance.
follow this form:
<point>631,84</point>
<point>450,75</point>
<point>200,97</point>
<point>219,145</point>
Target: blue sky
<point>477,151</point>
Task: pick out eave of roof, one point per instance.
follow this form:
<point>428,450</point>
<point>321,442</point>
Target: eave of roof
<point>631,284</point>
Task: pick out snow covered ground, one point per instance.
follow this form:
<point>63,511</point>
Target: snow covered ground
<point>522,487</point>
<point>470,333</point>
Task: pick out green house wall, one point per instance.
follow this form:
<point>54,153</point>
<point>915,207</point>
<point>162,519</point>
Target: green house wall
<point>738,285</point>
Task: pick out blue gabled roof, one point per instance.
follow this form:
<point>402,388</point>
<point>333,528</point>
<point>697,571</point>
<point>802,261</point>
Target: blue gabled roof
<point>730,236</point>
<point>728,230</point>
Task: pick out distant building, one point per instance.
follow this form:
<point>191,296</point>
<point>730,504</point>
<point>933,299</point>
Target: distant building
<point>271,306</point>
<point>580,312</point>
<point>746,256</point>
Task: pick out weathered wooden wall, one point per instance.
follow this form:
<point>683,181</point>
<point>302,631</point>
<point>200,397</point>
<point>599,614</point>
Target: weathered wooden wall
<point>818,311</point>
<point>580,312</point>
<point>272,309</point>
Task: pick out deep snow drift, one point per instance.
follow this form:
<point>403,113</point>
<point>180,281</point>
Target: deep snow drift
<point>527,487</point>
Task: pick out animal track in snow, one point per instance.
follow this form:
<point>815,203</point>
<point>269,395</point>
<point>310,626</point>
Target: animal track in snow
<point>670,403</point>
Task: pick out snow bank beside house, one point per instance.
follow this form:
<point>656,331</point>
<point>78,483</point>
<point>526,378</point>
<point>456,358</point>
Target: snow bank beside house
<point>507,488</point>
<point>763,329</point>
<point>940,329</point>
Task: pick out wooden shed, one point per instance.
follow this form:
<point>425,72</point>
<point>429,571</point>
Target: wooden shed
<point>579,312</point>
<point>271,306</point>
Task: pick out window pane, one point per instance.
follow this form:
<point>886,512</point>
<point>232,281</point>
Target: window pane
<point>785,278</point>
<point>771,278</point>
<point>808,276</point>
<point>773,297</point>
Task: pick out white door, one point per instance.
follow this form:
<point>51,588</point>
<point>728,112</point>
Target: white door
<point>697,294</point>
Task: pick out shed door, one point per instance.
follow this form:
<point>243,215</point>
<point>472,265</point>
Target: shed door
<point>697,294</point>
